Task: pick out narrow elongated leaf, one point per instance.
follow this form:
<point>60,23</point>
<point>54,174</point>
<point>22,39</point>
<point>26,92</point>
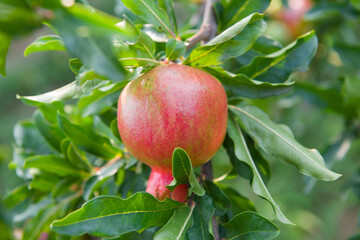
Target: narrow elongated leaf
<point>177,226</point>
<point>100,99</point>
<point>34,228</point>
<point>151,13</point>
<point>87,140</point>
<point>174,49</point>
<point>75,156</point>
<point>29,138</point>
<point>45,43</point>
<point>202,215</point>
<point>241,85</point>
<point>220,201</point>
<point>250,225</point>
<point>168,6</point>
<point>231,43</point>
<point>88,36</point>
<point>66,92</point>
<point>94,182</point>
<point>242,153</point>
<point>239,203</point>
<point>52,164</point>
<point>5,41</point>
<point>51,132</point>
<point>235,10</point>
<point>279,141</point>
<point>277,67</point>
<point>183,172</point>
<point>99,215</point>
<point>16,195</point>
<point>18,18</point>
<point>44,182</point>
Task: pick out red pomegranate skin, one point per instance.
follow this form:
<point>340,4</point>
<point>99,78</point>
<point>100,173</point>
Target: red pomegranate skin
<point>172,106</point>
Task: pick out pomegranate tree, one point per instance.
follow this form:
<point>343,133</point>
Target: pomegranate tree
<point>172,106</point>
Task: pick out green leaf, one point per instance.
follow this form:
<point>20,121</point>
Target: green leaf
<point>220,201</point>
<point>174,49</point>
<point>18,18</point>
<point>250,225</point>
<point>101,99</point>
<point>5,41</point>
<point>28,137</point>
<point>136,213</point>
<point>277,67</point>
<point>34,228</point>
<point>75,65</point>
<point>279,141</point>
<point>64,93</point>
<point>88,35</point>
<point>87,140</point>
<point>77,157</point>
<point>183,172</point>
<point>202,215</point>
<point>243,86</point>
<point>44,181</point>
<point>95,182</point>
<point>239,203</point>
<point>168,6</point>
<point>231,43</point>
<point>16,195</point>
<point>51,132</point>
<point>235,10</point>
<point>52,164</point>
<point>326,98</point>
<point>151,13</point>
<point>115,129</point>
<point>242,153</point>
<point>177,226</point>
<point>45,43</point>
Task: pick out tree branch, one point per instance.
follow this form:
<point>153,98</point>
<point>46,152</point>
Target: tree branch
<point>208,28</point>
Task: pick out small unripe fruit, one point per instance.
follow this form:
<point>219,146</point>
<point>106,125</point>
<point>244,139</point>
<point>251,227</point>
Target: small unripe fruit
<point>172,106</point>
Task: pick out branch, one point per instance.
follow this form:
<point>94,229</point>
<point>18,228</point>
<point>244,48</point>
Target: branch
<point>208,28</point>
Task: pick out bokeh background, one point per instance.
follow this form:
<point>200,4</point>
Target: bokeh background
<point>321,210</point>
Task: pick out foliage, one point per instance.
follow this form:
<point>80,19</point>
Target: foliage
<point>79,178</point>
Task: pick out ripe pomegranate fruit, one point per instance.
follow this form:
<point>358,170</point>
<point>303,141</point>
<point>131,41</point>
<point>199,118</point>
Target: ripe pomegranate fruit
<point>172,106</point>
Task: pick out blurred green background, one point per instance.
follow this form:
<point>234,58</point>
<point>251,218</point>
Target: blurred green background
<point>329,210</point>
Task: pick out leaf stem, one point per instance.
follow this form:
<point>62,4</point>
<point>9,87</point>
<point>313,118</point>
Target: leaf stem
<point>208,28</point>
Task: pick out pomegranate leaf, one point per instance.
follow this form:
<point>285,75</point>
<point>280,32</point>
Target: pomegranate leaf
<point>75,156</point>
<point>51,132</point>
<point>174,49</point>
<point>278,141</point>
<point>5,41</point>
<point>53,164</point>
<point>88,140</point>
<point>178,225</point>
<point>151,13</point>
<point>220,201</point>
<point>140,211</point>
<point>239,203</point>
<point>250,225</point>
<point>242,153</point>
<point>168,6</point>
<point>88,35</point>
<point>241,85</point>
<point>277,67</point>
<point>230,12</point>
<point>231,43</point>
<point>183,172</point>
<point>45,43</point>
<point>203,213</point>
<point>95,181</point>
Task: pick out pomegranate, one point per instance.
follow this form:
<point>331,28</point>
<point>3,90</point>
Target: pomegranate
<point>172,106</point>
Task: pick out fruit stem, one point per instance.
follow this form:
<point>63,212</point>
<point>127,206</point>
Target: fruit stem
<point>157,183</point>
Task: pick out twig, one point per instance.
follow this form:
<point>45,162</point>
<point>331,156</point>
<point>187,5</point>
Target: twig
<point>208,28</point>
